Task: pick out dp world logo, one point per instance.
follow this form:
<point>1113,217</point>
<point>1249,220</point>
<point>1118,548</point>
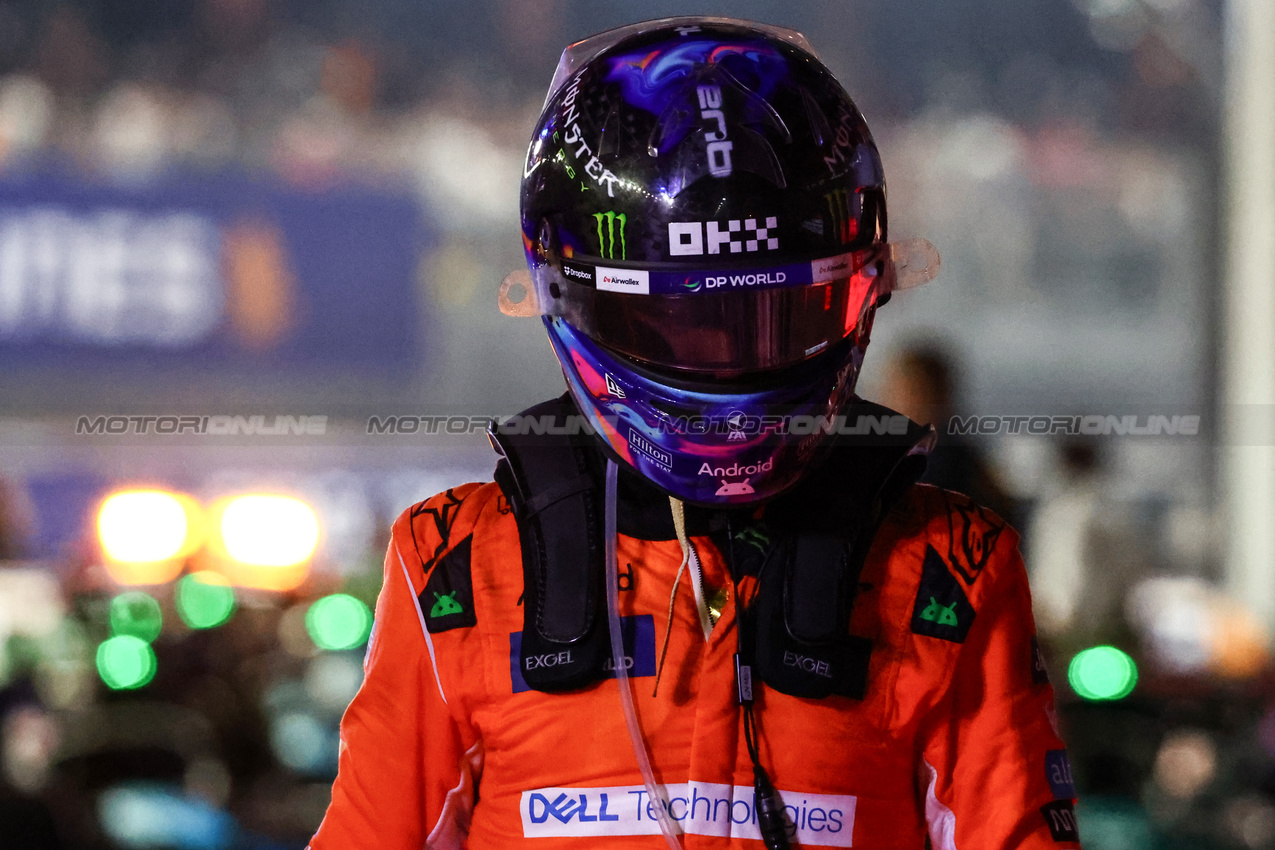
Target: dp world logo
<point>693,285</point>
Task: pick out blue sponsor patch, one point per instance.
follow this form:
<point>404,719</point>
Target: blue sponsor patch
<point>1058,772</point>
<point>638,634</point>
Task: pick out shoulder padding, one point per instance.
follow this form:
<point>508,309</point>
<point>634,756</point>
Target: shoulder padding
<point>966,537</point>
<point>439,523</point>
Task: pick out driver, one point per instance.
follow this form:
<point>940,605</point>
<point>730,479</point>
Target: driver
<point>704,603</point>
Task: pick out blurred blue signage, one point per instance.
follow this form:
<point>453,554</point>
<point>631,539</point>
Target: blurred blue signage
<point>199,270</point>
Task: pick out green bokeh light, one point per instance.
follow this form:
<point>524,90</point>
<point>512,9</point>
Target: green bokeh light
<point>204,600</point>
<point>125,662</point>
<point>338,621</point>
<point>1102,673</point>
<point>137,614</point>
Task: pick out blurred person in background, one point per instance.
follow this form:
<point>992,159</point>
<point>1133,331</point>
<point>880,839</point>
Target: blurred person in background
<point>15,522</point>
<point>28,741</point>
<point>1085,551</point>
<point>798,614</point>
<point>920,380</point>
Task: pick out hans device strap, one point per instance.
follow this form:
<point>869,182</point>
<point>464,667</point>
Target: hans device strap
<point>553,487</point>
<point>799,626</point>
<point>800,621</point>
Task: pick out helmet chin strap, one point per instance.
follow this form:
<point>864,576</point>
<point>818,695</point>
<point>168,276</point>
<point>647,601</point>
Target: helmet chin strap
<point>618,662</point>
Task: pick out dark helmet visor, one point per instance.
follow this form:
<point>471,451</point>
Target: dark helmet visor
<point>719,325</point>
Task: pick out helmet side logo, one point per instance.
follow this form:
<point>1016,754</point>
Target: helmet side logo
<point>841,215</point>
<point>574,136</point>
<point>719,147</point>
<point>844,140</point>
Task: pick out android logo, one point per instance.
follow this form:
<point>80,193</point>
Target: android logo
<point>445,605</point>
<point>735,488</point>
<point>941,614</point>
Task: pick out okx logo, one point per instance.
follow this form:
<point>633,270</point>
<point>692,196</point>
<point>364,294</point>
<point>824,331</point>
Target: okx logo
<point>942,609</point>
<point>606,237</point>
<point>694,238</point>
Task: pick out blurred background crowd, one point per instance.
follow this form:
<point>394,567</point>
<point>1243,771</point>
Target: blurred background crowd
<point>279,218</point>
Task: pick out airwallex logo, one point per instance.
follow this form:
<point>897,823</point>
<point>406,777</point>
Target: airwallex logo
<point>633,281</point>
<point>698,808</point>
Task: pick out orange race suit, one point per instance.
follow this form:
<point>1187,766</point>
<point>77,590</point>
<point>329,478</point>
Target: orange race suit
<point>954,745</point>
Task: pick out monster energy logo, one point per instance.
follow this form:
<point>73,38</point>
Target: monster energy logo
<point>606,241</point>
<point>755,538</point>
<point>843,223</point>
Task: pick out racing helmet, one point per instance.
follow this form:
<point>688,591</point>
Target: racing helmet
<point>704,219</point>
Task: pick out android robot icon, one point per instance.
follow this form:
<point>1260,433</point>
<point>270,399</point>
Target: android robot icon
<point>734,488</point>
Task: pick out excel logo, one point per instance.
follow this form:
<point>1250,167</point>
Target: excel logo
<point>844,226</point>
<point>606,238</point>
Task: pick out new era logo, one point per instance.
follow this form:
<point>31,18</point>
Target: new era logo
<point>613,388</point>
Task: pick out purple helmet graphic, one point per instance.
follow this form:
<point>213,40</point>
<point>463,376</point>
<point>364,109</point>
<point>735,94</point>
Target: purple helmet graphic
<point>704,218</point>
